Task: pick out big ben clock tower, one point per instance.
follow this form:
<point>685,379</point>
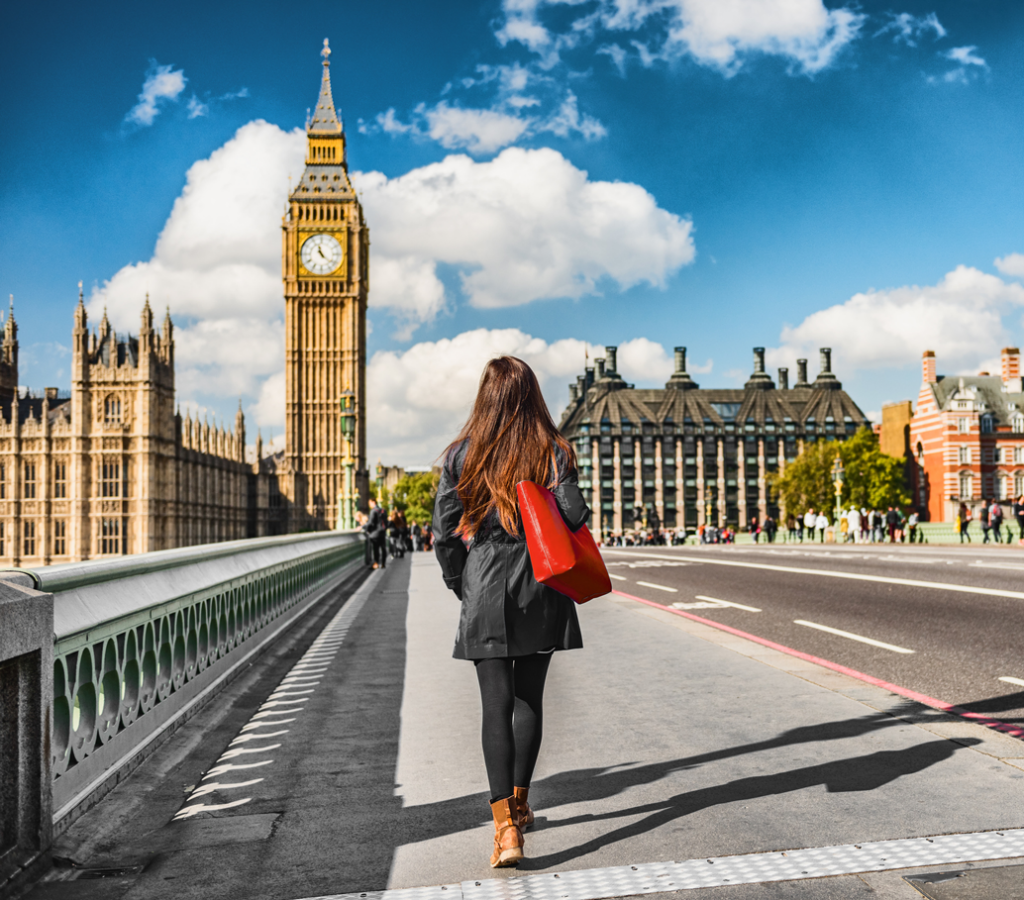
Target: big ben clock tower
<point>326,282</point>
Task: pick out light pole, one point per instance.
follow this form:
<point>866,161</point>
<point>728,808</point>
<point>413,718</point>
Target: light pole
<point>346,513</point>
<point>837,479</point>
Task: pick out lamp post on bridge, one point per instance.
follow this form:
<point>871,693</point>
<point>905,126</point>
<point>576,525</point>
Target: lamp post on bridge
<point>346,513</point>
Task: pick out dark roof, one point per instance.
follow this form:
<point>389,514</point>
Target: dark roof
<point>324,182</point>
<point>611,402</point>
<point>986,390</point>
<point>32,407</point>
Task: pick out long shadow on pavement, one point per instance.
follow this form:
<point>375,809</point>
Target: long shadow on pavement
<point>861,773</point>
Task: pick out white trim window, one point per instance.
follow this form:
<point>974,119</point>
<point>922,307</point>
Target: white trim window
<point>966,485</point>
<point>964,455</point>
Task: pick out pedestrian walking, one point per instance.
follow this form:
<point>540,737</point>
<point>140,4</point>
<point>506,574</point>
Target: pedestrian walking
<point>853,524</point>
<point>912,522</point>
<point>1018,514</point>
<point>995,521</point>
<point>809,521</point>
<point>769,528</point>
<point>754,528</point>
<point>820,523</point>
<point>892,520</point>
<point>791,533</point>
<point>376,532</point>
<point>509,624</point>
<point>983,514</point>
<point>963,523</point>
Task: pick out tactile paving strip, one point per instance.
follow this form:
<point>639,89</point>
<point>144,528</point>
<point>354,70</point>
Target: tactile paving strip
<point>754,868</point>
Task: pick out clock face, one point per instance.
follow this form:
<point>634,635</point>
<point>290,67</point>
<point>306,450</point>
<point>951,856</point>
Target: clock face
<point>321,254</point>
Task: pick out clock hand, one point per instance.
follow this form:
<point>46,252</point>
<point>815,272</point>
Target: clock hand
<point>320,250</point>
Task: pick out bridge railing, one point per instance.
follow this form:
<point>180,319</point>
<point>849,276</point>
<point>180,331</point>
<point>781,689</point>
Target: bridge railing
<point>141,642</point>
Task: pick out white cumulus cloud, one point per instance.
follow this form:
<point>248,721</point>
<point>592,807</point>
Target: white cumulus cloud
<point>217,265</point>
<point>716,33</point>
<point>412,421</point>
<point>960,318</point>
<point>525,226</point>
<point>1012,264</point>
<point>162,84</point>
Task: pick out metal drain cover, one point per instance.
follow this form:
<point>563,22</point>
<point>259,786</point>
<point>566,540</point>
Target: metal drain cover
<point>995,883</point>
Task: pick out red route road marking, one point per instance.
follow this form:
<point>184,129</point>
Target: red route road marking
<point>924,699</point>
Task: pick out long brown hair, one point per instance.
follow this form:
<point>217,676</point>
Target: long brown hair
<point>512,438</point>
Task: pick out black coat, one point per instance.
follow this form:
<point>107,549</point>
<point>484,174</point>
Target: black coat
<point>375,524</point>
<point>505,612</point>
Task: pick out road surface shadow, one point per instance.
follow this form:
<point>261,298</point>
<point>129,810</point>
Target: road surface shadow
<point>1003,703</point>
<point>860,773</point>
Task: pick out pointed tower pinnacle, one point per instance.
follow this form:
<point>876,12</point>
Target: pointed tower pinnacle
<point>147,315</point>
<point>325,119</point>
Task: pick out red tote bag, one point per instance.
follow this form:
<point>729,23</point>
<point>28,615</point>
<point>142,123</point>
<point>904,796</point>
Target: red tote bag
<point>562,559</point>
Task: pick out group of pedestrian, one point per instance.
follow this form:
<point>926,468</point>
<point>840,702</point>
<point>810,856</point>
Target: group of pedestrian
<point>991,517</point>
<point>391,535</point>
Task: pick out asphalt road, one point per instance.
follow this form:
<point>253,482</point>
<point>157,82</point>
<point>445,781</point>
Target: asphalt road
<point>948,643</point>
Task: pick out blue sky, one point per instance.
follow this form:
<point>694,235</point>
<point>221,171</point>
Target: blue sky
<point>715,174</point>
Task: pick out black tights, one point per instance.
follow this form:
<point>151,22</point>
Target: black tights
<point>512,697</point>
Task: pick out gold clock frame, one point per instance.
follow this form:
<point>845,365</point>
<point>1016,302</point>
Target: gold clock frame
<point>340,235</point>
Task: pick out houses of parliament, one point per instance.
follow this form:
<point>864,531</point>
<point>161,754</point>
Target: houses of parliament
<point>112,467</point>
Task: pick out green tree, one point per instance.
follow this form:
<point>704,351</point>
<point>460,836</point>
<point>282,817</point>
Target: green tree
<point>414,494</point>
<point>871,478</point>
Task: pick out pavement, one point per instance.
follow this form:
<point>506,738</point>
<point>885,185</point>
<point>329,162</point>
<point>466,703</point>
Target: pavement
<point>670,747</point>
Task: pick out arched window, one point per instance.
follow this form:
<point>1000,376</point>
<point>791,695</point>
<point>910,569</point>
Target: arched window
<point>112,409</point>
<point>1018,424</point>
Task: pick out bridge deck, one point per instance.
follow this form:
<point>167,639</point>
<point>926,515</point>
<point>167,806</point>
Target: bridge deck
<point>664,740</point>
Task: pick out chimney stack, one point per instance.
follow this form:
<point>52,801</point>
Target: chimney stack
<point>574,393</point>
<point>826,360</point>
<point>581,385</point>
<point>928,367</point>
<point>1012,381</point>
<point>589,370</point>
<point>611,360</point>
<point>599,366</point>
<point>760,378</point>
<point>680,379</point>
<point>801,373</point>
<point>783,378</point>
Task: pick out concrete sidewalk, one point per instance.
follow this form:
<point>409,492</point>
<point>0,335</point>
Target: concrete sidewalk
<point>668,740</point>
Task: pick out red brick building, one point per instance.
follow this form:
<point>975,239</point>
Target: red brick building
<point>967,438</point>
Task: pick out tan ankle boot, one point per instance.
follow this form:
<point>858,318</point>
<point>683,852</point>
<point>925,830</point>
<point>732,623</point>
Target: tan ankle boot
<point>523,810</point>
<point>508,839</point>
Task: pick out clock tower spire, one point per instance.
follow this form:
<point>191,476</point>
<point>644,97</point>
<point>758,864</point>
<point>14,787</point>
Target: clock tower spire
<point>325,269</point>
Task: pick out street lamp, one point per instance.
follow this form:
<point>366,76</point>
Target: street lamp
<point>837,479</point>
<point>346,513</point>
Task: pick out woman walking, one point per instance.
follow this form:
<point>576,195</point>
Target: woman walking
<point>509,624</point>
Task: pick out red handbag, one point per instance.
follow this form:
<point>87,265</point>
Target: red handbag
<point>562,559</point>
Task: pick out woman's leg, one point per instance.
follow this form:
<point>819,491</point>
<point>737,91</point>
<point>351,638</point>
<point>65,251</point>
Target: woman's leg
<point>530,674</point>
<point>498,703</point>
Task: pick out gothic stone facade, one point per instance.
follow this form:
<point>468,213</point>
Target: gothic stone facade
<point>325,266</point>
<point>112,469</point>
<point>967,437</point>
<point>690,455</point>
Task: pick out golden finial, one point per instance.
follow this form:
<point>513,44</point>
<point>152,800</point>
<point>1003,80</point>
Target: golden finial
<point>326,53</point>
<point>80,290</point>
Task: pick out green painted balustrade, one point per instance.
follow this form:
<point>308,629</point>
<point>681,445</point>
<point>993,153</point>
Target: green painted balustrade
<point>140,642</point>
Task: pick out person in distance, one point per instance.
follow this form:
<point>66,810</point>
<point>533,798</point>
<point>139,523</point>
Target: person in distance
<point>509,624</point>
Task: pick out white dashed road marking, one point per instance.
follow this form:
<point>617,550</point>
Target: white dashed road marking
<point>1011,680</point>
<point>728,603</point>
<point>853,637</point>
<point>658,587</point>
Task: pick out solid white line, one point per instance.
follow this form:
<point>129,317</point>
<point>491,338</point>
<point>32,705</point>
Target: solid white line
<point>854,637</point>
<point>825,573</point>
<point>1009,680</point>
<point>658,587</point>
<point>729,603</point>
<point>617,577</point>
